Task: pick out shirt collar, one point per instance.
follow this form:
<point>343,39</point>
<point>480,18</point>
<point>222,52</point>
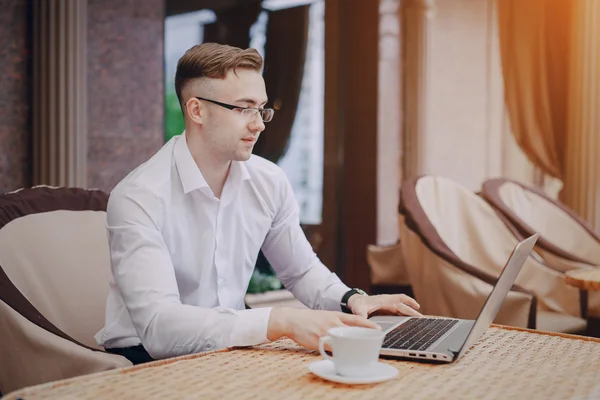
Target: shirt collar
<point>239,171</point>
<point>190,175</point>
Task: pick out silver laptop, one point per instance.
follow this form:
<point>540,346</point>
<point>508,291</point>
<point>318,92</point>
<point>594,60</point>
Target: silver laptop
<point>447,339</point>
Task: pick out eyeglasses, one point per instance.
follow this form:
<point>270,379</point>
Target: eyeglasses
<point>266,114</point>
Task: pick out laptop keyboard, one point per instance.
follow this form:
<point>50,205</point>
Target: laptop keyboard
<point>417,333</point>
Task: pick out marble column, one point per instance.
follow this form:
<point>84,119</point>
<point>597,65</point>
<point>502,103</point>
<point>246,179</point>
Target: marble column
<point>59,93</point>
<point>389,114</point>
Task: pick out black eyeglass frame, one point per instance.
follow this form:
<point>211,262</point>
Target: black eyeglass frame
<point>232,107</point>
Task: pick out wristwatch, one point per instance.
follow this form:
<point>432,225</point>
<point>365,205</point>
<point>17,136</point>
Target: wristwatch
<point>346,297</point>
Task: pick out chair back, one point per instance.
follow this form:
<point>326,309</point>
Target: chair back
<point>562,232</point>
<point>451,216</point>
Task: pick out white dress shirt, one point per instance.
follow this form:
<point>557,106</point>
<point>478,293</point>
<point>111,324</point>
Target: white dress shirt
<point>182,259</point>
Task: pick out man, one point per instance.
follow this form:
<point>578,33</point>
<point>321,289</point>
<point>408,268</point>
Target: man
<point>185,229</point>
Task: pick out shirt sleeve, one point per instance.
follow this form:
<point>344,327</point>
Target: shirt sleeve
<point>144,274</point>
<point>293,259</point>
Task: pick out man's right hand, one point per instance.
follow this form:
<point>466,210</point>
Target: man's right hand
<point>305,326</point>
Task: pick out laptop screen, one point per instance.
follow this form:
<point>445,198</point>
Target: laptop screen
<point>500,291</point>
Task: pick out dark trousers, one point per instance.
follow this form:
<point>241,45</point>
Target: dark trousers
<point>136,354</point>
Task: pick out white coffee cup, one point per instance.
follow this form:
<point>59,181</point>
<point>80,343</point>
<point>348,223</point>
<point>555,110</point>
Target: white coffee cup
<point>355,349</point>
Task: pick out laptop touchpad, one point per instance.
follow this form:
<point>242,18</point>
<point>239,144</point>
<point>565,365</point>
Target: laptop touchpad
<point>386,326</point>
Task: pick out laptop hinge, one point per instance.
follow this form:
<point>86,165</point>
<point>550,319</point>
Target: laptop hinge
<point>453,352</point>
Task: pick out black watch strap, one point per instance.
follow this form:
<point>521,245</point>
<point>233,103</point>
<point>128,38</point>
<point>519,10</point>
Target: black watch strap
<point>346,297</point>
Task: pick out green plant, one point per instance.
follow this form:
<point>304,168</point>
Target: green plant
<point>174,124</point>
<point>263,278</point>
<point>260,283</point>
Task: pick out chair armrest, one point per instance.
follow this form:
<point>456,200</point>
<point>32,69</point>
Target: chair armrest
<point>37,356</point>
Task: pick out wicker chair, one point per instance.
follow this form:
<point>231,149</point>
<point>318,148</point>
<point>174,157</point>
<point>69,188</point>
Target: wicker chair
<point>566,241</point>
<point>54,280</point>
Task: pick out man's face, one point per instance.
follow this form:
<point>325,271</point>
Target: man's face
<point>231,134</point>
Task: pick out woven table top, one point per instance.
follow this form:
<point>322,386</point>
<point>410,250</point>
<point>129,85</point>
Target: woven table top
<point>507,363</point>
<point>584,278</point>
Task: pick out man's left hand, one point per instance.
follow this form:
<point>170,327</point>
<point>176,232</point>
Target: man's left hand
<point>396,304</point>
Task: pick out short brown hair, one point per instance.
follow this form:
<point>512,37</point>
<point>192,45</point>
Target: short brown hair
<point>213,60</point>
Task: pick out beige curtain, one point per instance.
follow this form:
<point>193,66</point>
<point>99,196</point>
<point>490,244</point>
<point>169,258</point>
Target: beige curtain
<point>535,45</point>
<point>582,167</point>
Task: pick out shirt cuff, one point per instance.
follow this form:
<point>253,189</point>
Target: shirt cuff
<point>334,296</point>
<point>250,327</point>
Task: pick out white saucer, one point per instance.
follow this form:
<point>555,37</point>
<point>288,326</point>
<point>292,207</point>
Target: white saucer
<point>325,369</point>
